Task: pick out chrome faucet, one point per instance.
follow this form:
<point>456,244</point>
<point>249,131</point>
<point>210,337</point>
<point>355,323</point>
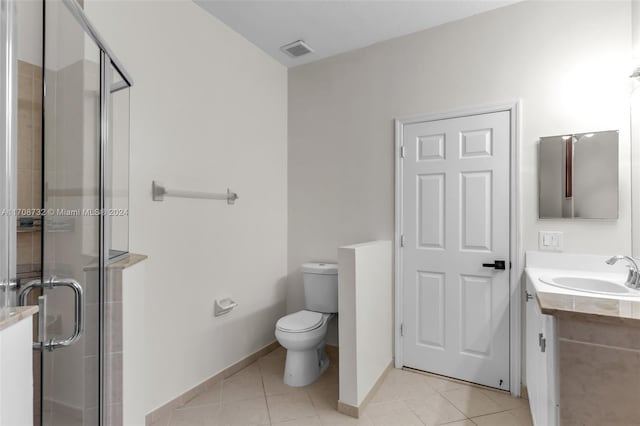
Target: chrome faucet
<point>633,278</point>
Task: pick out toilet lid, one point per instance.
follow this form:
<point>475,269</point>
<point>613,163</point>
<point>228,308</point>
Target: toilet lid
<point>300,321</point>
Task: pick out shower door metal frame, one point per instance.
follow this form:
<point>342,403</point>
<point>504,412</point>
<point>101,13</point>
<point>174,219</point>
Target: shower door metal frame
<point>103,246</point>
<point>9,142</point>
<point>91,31</point>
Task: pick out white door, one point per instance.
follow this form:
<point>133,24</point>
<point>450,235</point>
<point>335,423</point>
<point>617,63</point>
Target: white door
<point>455,218</point>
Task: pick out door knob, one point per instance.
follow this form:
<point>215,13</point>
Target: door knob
<point>498,264</point>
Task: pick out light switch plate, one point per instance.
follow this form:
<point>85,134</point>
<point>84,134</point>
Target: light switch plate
<point>550,240</point>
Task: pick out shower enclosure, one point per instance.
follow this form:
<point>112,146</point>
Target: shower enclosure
<point>79,214</point>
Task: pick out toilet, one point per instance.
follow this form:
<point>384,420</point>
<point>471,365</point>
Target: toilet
<point>303,333</point>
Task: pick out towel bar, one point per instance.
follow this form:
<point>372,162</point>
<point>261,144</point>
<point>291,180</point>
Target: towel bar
<point>159,192</point>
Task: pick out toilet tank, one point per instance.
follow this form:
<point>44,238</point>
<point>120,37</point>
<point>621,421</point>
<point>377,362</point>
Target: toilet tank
<point>321,287</point>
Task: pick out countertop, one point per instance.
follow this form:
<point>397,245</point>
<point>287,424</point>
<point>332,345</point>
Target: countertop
<point>126,261</point>
<point>17,314</point>
<point>555,300</point>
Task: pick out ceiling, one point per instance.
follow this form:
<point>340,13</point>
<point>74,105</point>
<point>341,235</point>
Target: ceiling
<point>331,27</point>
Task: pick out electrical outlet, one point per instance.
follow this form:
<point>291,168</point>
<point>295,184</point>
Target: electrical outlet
<point>550,241</point>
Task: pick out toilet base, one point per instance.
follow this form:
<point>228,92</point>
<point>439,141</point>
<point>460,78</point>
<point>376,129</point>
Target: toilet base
<point>304,367</point>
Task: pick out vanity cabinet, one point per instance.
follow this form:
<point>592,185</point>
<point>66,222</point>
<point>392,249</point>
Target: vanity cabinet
<point>16,367</point>
<point>540,362</point>
<point>588,373</point>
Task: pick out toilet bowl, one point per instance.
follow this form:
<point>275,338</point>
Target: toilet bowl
<point>303,333</point>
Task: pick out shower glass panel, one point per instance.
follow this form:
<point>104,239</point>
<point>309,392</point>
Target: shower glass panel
<point>71,371</point>
<point>117,185</point>
<point>116,238</point>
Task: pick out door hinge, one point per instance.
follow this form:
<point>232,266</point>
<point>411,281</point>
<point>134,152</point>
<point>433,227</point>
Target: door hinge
<point>402,151</point>
<point>401,240</point>
<point>542,342</point>
<point>401,330</point>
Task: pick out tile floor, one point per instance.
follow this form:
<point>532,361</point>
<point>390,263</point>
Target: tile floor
<point>257,396</point>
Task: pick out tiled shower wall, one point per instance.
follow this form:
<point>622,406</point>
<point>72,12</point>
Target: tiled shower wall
<point>29,162</point>
<point>28,262</point>
<point>113,349</point>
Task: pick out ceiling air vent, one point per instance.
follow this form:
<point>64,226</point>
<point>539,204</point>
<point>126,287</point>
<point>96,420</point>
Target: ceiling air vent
<point>296,49</point>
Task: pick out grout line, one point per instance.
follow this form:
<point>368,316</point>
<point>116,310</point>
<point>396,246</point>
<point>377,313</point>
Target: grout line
<point>264,391</point>
<point>464,383</point>
<point>599,345</point>
<point>452,380</point>
<point>315,412</point>
<point>483,390</point>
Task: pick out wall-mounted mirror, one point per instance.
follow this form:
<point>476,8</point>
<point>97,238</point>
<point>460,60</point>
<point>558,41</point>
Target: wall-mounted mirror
<point>578,176</point>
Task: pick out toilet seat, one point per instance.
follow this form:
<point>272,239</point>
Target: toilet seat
<point>300,322</point>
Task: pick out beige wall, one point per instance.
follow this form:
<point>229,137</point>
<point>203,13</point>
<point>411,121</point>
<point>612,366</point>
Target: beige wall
<point>568,62</point>
<point>208,111</point>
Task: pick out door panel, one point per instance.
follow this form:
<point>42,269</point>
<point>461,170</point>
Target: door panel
<point>455,203</point>
<point>476,195</point>
<point>431,204</point>
<point>476,314</point>
<point>431,293</point>
<point>431,147</point>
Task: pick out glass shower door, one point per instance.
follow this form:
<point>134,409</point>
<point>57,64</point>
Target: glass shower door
<point>84,129</point>
<point>71,239</point>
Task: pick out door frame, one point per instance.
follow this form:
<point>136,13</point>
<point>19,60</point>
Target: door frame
<point>515,249</point>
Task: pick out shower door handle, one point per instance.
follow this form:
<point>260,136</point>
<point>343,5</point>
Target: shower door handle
<point>78,311</point>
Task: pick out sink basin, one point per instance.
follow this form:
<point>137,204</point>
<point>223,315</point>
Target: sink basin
<point>591,285</point>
